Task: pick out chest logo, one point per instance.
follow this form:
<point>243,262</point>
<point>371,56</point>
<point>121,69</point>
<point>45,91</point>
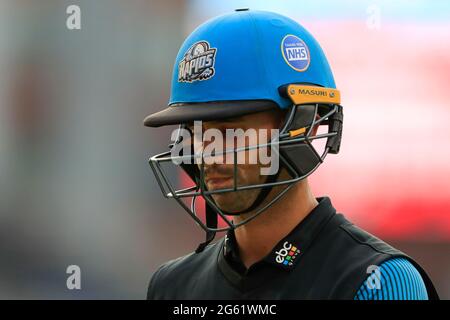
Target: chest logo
<point>287,254</point>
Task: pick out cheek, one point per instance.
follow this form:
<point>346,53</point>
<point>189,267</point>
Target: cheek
<point>250,174</point>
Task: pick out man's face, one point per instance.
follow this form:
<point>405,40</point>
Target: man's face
<point>219,175</point>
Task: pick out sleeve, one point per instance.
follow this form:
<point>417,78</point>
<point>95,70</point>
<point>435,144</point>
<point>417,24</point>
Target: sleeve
<point>394,279</point>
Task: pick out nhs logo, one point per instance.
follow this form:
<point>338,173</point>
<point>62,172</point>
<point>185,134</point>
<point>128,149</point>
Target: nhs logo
<point>295,52</point>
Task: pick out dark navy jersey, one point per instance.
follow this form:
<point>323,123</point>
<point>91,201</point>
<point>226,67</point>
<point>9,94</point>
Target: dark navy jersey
<point>324,257</point>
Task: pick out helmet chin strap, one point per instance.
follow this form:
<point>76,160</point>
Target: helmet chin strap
<point>211,222</point>
<point>211,215</point>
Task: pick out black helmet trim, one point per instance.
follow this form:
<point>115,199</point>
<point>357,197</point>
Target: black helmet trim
<point>206,111</point>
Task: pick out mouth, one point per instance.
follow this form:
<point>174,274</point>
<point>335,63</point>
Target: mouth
<point>215,183</point>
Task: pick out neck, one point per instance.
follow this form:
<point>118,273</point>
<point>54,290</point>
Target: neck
<point>257,238</point>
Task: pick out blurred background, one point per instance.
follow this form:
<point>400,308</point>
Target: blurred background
<point>75,186</point>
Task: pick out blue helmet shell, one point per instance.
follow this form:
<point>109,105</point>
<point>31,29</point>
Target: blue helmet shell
<point>247,55</point>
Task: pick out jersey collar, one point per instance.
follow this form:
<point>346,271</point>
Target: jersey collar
<point>284,257</point>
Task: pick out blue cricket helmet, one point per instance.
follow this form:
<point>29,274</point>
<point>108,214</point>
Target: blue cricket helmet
<point>236,63</point>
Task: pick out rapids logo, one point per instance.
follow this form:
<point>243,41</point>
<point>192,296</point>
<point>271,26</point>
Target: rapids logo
<point>287,254</point>
<point>197,63</point>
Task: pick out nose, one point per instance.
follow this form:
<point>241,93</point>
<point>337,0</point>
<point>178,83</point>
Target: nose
<point>214,152</point>
<point>211,144</point>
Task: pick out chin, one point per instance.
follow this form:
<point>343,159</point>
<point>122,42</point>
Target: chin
<point>229,203</point>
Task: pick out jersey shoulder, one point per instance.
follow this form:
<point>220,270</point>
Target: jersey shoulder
<point>394,279</point>
<point>179,271</point>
